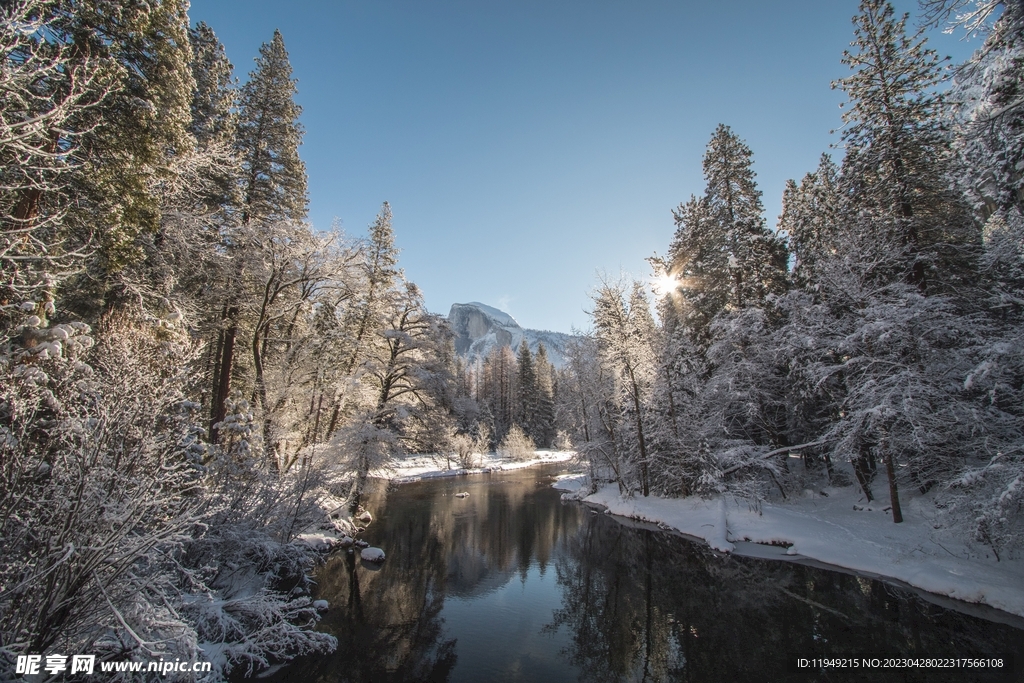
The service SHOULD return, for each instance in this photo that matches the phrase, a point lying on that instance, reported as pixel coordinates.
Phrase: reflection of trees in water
(645, 606)
(388, 622)
(636, 605)
(387, 629)
(498, 531)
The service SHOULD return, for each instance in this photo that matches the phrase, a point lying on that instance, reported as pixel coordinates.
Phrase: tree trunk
(223, 388)
(641, 442)
(894, 494)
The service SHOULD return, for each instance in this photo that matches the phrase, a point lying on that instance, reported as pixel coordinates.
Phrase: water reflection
(510, 584)
(644, 606)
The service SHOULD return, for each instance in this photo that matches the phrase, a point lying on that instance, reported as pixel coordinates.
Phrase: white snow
(570, 482)
(418, 467)
(320, 605)
(500, 316)
(318, 541)
(372, 554)
(829, 529)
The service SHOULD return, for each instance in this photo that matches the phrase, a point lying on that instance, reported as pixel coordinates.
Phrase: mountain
(480, 328)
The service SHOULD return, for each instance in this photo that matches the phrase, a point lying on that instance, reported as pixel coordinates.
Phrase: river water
(512, 584)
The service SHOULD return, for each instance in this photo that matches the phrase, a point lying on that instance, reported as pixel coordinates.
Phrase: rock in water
(372, 554)
(462, 494)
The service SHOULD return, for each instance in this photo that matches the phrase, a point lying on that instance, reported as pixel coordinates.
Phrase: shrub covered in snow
(112, 502)
(516, 445)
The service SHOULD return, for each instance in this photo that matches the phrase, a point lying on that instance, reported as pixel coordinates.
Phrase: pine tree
(129, 62)
(269, 135)
(699, 262)
(273, 185)
(897, 151)
(757, 259)
(722, 255)
(497, 392)
(811, 217)
(213, 120)
(989, 119)
(544, 418)
(526, 390)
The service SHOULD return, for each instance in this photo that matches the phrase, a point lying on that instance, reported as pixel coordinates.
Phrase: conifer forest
(189, 369)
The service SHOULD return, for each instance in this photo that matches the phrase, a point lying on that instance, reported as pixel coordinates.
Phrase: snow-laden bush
(464, 448)
(516, 445)
(100, 486)
(124, 533)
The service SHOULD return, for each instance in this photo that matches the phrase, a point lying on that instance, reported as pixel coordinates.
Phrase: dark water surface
(511, 584)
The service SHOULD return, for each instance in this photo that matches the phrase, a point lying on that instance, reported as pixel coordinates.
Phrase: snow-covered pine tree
(273, 186)
(268, 139)
(989, 118)
(810, 218)
(213, 119)
(113, 108)
(756, 258)
(898, 153)
(699, 262)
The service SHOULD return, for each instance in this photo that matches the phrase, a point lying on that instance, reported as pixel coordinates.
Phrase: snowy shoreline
(831, 528)
(420, 467)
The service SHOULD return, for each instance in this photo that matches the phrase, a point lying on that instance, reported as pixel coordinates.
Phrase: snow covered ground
(830, 529)
(417, 467)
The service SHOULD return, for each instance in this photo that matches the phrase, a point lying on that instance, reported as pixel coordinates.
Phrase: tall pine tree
(273, 183)
(898, 153)
(757, 258)
(269, 135)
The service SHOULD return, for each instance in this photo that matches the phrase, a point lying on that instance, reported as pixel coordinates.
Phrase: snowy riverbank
(840, 530)
(418, 467)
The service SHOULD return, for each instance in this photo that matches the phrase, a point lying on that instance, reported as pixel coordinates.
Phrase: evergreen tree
(989, 119)
(897, 152)
(213, 120)
(269, 135)
(497, 391)
(698, 261)
(722, 255)
(273, 190)
(810, 218)
(526, 391)
(544, 418)
(43, 93)
(757, 259)
(114, 116)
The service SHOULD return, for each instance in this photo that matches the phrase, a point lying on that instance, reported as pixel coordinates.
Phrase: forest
(189, 369)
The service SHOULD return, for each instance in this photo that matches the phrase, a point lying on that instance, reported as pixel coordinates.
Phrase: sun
(664, 283)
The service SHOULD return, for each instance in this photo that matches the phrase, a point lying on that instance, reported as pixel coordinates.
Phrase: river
(512, 584)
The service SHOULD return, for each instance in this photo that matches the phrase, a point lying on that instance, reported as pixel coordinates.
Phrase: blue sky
(527, 146)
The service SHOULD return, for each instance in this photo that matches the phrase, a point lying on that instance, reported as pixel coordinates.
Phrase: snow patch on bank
(571, 483)
(827, 527)
(419, 467)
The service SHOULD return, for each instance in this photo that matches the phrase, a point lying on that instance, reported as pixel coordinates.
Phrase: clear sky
(526, 145)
